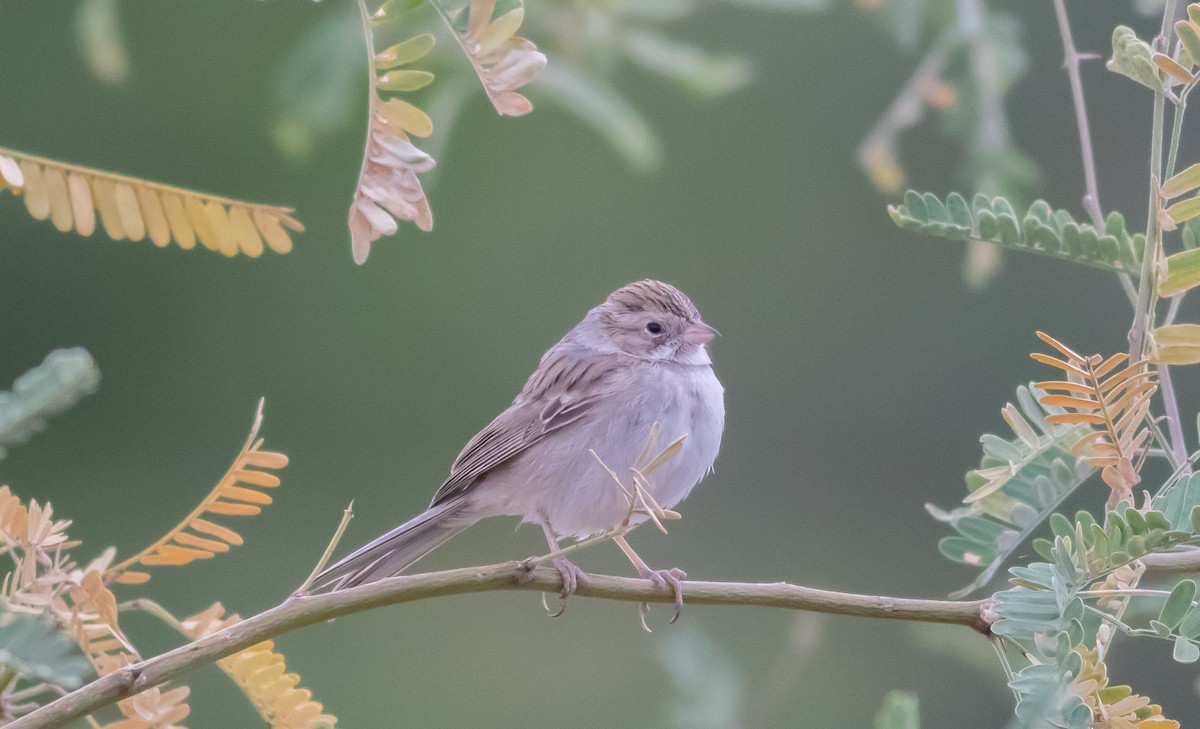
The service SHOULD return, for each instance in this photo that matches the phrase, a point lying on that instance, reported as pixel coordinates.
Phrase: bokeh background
(860, 369)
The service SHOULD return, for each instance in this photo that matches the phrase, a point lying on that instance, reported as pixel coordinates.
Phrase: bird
(636, 367)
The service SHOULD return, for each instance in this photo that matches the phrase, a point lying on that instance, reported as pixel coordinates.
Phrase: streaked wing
(565, 389)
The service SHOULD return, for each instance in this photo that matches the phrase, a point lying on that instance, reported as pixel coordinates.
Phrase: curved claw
(670, 579)
(572, 579)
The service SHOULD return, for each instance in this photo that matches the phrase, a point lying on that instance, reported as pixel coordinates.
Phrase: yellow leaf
(404, 80)
(1185, 209)
(1183, 272)
(1176, 344)
(71, 196)
(1185, 181)
(60, 200)
(82, 205)
(155, 217)
(403, 115)
(105, 195)
(179, 221)
(36, 201)
(131, 214)
(499, 31)
(262, 675)
(245, 233)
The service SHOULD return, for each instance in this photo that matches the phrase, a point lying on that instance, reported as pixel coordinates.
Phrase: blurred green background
(859, 368)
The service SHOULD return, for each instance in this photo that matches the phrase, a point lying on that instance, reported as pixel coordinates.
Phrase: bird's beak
(699, 333)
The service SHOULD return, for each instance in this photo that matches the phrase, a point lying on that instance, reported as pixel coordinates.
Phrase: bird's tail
(396, 550)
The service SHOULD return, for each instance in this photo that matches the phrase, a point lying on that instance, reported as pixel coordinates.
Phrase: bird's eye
(654, 327)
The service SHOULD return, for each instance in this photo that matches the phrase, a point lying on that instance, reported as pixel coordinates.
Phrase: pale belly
(558, 481)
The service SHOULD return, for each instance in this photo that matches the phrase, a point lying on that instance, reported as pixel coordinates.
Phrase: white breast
(563, 483)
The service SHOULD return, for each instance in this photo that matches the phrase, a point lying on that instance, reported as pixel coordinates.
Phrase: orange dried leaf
(1110, 364)
(191, 540)
(218, 531)
(239, 493)
(197, 537)
(1066, 401)
(1053, 362)
(1048, 385)
(258, 478)
(1075, 419)
(1067, 351)
(231, 509)
(266, 459)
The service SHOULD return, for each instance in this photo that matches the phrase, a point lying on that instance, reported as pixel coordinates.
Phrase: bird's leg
(663, 578)
(572, 576)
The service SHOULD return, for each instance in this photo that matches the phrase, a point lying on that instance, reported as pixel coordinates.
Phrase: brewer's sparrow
(635, 360)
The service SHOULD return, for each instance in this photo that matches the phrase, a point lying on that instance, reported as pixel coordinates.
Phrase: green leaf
(64, 378)
(393, 9)
(1178, 604)
(1177, 500)
(1189, 37)
(1191, 234)
(1190, 627)
(315, 89)
(899, 711)
(1133, 58)
(1041, 230)
(1185, 650)
(603, 109)
(1162, 630)
(400, 54)
(1018, 485)
(696, 69)
(39, 652)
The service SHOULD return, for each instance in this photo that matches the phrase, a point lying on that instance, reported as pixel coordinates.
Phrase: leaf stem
(303, 610)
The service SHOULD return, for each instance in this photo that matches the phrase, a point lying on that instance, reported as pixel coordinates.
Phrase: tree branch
(301, 610)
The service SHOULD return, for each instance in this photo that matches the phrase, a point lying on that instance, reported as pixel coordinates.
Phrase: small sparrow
(636, 360)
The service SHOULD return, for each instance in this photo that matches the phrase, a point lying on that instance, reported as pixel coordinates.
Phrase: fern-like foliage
(261, 674)
(238, 493)
(1019, 483)
(388, 187)
(64, 378)
(1115, 707)
(154, 708)
(1040, 230)
(1113, 399)
(1133, 58)
(504, 62)
(93, 610)
(1050, 613)
(38, 650)
(73, 197)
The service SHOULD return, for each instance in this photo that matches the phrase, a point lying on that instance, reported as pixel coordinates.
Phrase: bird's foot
(572, 579)
(665, 579)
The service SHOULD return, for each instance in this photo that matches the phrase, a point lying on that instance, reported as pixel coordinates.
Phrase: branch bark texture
(302, 610)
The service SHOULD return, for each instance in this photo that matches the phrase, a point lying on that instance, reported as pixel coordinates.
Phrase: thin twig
(1071, 59)
(1091, 195)
(303, 610)
(347, 515)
